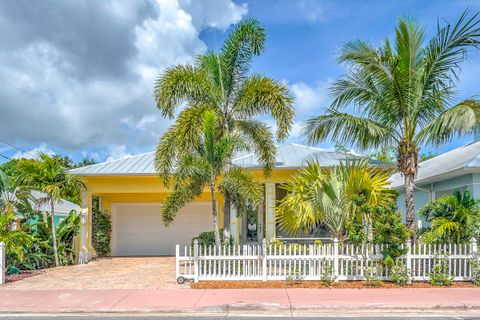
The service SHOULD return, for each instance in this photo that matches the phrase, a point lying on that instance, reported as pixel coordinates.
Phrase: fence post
(264, 261)
(474, 247)
(196, 268)
(3, 267)
(177, 261)
(335, 259)
(408, 262)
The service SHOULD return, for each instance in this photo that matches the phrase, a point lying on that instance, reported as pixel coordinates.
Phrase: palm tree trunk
(54, 234)
(226, 215)
(409, 201)
(216, 231)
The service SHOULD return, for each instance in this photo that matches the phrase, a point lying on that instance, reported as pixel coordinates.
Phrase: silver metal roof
(288, 156)
(453, 163)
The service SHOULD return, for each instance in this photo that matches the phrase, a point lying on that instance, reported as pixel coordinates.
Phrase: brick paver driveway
(108, 273)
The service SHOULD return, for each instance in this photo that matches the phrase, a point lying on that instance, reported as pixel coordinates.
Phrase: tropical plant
(401, 95)
(49, 176)
(220, 82)
(101, 232)
(330, 196)
(15, 240)
(203, 167)
(12, 196)
(453, 218)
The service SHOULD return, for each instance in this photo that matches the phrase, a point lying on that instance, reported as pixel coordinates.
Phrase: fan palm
(454, 217)
(220, 82)
(202, 169)
(12, 196)
(316, 195)
(401, 95)
(49, 176)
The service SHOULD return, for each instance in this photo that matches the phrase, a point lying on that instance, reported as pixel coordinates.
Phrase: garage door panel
(138, 229)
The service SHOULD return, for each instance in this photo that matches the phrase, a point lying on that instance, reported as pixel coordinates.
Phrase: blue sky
(82, 85)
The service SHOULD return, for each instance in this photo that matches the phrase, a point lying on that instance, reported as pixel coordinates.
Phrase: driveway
(107, 273)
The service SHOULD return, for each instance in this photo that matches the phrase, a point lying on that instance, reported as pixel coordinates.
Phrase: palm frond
(260, 138)
(261, 95)
(348, 129)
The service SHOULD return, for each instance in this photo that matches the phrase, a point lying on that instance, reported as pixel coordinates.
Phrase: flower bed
(317, 284)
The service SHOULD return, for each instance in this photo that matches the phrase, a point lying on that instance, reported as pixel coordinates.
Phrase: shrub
(294, 278)
(207, 238)
(475, 265)
(327, 277)
(440, 276)
(101, 232)
(372, 277)
(399, 274)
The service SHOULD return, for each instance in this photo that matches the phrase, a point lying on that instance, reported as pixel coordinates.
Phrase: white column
(3, 267)
(234, 225)
(270, 228)
(83, 254)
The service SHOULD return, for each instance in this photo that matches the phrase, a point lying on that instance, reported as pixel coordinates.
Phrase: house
(458, 169)
(131, 191)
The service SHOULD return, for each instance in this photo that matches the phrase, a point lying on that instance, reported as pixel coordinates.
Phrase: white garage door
(138, 229)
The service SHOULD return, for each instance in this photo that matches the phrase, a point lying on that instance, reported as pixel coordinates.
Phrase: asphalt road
(120, 317)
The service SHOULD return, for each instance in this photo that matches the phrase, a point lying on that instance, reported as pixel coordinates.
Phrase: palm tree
(49, 176)
(319, 196)
(202, 169)
(220, 82)
(12, 195)
(401, 95)
(453, 217)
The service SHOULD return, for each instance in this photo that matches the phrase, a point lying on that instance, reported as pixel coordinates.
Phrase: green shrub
(327, 277)
(207, 238)
(294, 278)
(475, 265)
(440, 276)
(400, 275)
(101, 232)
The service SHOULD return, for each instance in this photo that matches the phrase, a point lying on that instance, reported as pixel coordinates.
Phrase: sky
(77, 75)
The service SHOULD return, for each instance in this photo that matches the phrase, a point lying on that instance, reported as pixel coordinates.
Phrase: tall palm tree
(49, 176)
(316, 195)
(400, 95)
(221, 82)
(454, 218)
(202, 169)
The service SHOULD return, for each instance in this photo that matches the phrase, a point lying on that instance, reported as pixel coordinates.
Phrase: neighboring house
(131, 191)
(62, 208)
(458, 169)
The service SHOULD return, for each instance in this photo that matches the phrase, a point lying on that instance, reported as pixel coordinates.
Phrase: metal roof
(288, 156)
(453, 163)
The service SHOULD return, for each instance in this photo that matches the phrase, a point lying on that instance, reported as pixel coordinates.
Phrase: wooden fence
(312, 262)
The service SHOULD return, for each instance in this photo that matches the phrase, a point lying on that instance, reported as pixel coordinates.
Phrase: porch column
(234, 225)
(85, 227)
(270, 227)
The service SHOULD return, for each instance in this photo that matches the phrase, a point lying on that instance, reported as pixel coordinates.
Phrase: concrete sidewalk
(242, 301)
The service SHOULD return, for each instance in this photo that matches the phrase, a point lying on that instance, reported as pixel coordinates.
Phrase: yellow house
(131, 192)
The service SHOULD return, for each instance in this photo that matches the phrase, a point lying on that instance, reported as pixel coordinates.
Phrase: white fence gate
(311, 262)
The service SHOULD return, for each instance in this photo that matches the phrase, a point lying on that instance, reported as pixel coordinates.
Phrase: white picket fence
(311, 262)
(2, 263)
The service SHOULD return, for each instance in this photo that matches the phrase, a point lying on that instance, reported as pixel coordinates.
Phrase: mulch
(22, 275)
(317, 285)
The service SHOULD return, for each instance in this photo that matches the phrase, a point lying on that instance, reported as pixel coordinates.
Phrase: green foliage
(372, 278)
(440, 275)
(207, 238)
(15, 240)
(453, 218)
(318, 196)
(327, 277)
(294, 278)
(220, 82)
(402, 93)
(475, 266)
(101, 232)
(389, 231)
(399, 274)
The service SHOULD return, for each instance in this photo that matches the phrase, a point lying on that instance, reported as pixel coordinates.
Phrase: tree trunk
(216, 231)
(409, 201)
(54, 234)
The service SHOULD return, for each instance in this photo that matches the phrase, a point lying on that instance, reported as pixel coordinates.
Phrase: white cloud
(85, 81)
(309, 98)
(32, 154)
(117, 152)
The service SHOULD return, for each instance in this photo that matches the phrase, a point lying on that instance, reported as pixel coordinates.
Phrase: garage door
(138, 230)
